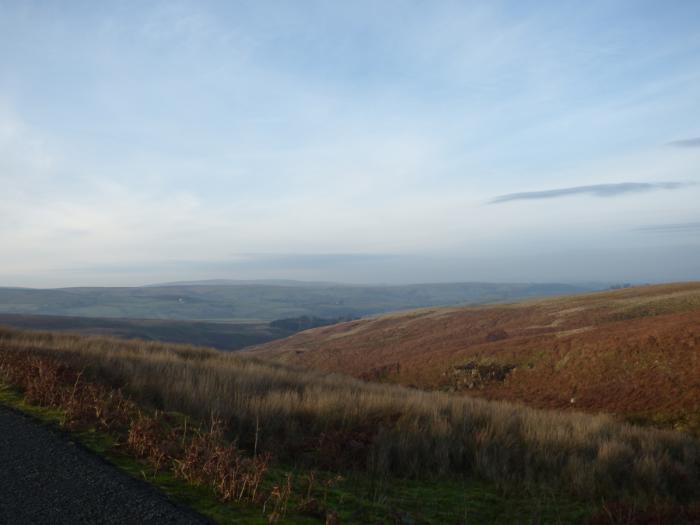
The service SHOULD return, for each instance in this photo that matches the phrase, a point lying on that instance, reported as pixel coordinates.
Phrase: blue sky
(391, 141)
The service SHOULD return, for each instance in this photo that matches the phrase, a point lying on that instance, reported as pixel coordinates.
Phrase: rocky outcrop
(478, 375)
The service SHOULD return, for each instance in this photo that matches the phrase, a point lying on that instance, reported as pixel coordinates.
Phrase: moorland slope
(633, 352)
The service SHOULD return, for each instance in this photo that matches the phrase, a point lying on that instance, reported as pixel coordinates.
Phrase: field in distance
(223, 336)
(263, 301)
(633, 352)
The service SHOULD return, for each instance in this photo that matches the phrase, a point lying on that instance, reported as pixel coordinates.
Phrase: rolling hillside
(224, 300)
(634, 352)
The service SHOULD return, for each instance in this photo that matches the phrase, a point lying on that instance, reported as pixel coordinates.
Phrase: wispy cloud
(686, 143)
(680, 227)
(596, 190)
(200, 129)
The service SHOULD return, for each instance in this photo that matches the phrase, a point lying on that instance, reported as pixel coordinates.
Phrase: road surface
(45, 478)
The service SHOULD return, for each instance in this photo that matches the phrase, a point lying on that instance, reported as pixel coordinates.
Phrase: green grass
(652, 306)
(356, 498)
(447, 501)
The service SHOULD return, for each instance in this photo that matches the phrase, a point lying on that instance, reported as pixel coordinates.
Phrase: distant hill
(244, 282)
(265, 302)
(633, 351)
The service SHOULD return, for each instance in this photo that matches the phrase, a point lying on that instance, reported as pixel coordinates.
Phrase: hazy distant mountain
(237, 301)
(244, 282)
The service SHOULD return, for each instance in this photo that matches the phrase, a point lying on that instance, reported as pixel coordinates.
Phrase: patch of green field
(649, 307)
(356, 498)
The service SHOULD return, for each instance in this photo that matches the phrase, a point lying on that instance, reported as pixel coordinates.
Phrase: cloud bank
(686, 143)
(596, 190)
(681, 227)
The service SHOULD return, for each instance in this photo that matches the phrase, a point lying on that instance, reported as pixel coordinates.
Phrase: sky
(365, 141)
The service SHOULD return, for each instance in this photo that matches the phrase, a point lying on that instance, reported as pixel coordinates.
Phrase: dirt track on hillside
(45, 478)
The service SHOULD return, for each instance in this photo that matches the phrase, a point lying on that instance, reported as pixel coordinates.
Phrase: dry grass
(198, 454)
(633, 352)
(341, 422)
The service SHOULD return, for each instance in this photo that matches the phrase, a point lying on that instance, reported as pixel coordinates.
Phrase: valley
(262, 301)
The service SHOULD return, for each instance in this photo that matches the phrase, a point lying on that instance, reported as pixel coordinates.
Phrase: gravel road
(45, 478)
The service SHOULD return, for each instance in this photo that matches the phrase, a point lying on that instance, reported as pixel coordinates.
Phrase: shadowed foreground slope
(224, 336)
(634, 352)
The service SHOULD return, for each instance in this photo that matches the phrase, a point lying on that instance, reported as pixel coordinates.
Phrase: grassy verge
(199, 498)
(353, 499)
